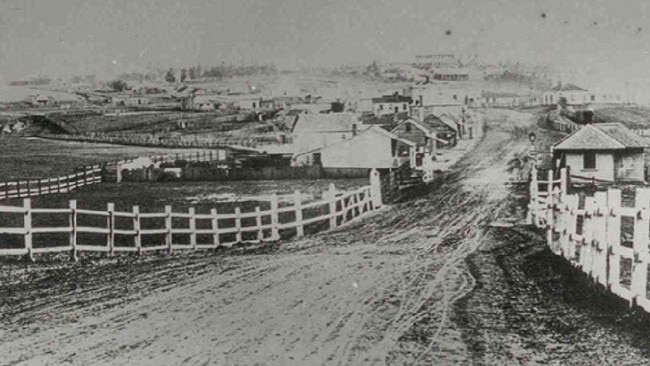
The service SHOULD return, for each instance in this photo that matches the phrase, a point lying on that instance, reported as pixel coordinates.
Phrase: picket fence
(598, 234)
(88, 175)
(333, 210)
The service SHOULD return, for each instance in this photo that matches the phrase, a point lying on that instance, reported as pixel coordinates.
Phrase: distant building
(315, 130)
(495, 99)
(574, 95)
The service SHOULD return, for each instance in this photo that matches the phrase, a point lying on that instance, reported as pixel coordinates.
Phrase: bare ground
(423, 282)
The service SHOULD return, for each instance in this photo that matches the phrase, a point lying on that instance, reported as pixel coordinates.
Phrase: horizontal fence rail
(110, 231)
(89, 175)
(600, 236)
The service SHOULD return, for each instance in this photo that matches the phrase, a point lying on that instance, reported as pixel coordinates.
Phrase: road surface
(384, 290)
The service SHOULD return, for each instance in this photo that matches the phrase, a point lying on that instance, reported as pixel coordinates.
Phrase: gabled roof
(325, 122)
(392, 99)
(450, 121)
(568, 87)
(374, 129)
(433, 122)
(427, 130)
(602, 136)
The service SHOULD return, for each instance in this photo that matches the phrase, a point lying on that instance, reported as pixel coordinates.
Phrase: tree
(183, 75)
(169, 76)
(191, 73)
(562, 102)
(117, 85)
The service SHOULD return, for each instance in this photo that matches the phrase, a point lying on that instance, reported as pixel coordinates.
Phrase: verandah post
(613, 237)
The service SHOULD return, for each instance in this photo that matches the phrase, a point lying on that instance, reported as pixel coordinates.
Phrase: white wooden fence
(333, 210)
(604, 239)
(88, 175)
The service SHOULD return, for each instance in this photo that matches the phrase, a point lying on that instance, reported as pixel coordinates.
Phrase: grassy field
(30, 157)
(632, 116)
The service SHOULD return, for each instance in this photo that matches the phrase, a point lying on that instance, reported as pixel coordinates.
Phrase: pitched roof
(602, 136)
(374, 129)
(392, 99)
(568, 87)
(433, 122)
(426, 129)
(450, 121)
(325, 122)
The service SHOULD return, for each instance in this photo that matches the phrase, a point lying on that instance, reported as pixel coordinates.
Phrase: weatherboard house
(605, 153)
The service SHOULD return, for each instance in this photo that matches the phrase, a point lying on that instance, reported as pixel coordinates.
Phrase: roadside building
(373, 148)
(605, 152)
(311, 131)
(497, 99)
(573, 94)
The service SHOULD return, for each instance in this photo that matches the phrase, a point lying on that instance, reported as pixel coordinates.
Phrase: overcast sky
(601, 39)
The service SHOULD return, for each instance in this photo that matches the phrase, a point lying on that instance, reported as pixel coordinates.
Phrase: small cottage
(605, 152)
(311, 131)
(372, 148)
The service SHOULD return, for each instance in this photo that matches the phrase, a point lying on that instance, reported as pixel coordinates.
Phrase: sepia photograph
(336, 183)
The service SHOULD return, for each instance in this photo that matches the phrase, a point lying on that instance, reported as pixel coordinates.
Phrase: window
(404, 106)
(589, 160)
(593, 98)
(407, 127)
(455, 97)
(381, 107)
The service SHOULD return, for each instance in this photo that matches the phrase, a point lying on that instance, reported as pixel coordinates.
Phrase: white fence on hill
(333, 210)
(87, 175)
(598, 235)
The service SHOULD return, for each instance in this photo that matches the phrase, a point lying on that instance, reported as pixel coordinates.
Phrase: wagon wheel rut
(379, 291)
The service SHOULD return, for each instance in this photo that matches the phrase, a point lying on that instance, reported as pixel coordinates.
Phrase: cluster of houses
(385, 132)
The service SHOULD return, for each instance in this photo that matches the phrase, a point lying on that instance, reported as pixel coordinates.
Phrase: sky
(590, 40)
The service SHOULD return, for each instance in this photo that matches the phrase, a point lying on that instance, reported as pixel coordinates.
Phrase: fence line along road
(598, 234)
(87, 175)
(156, 231)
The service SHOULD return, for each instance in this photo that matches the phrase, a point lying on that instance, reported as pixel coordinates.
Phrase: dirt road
(381, 291)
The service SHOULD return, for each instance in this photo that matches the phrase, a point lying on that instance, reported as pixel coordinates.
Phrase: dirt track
(382, 291)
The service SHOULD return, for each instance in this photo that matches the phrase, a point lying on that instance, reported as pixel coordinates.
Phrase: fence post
(215, 227)
(375, 189)
(192, 213)
(238, 234)
(275, 219)
(534, 196)
(332, 205)
(640, 263)
(136, 227)
(168, 228)
(73, 230)
(110, 223)
(599, 225)
(613, 238)
(258, 223)
(297, 201)
(27, 205)
(563, 181)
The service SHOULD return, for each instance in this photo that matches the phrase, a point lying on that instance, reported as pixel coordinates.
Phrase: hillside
(634, 117)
